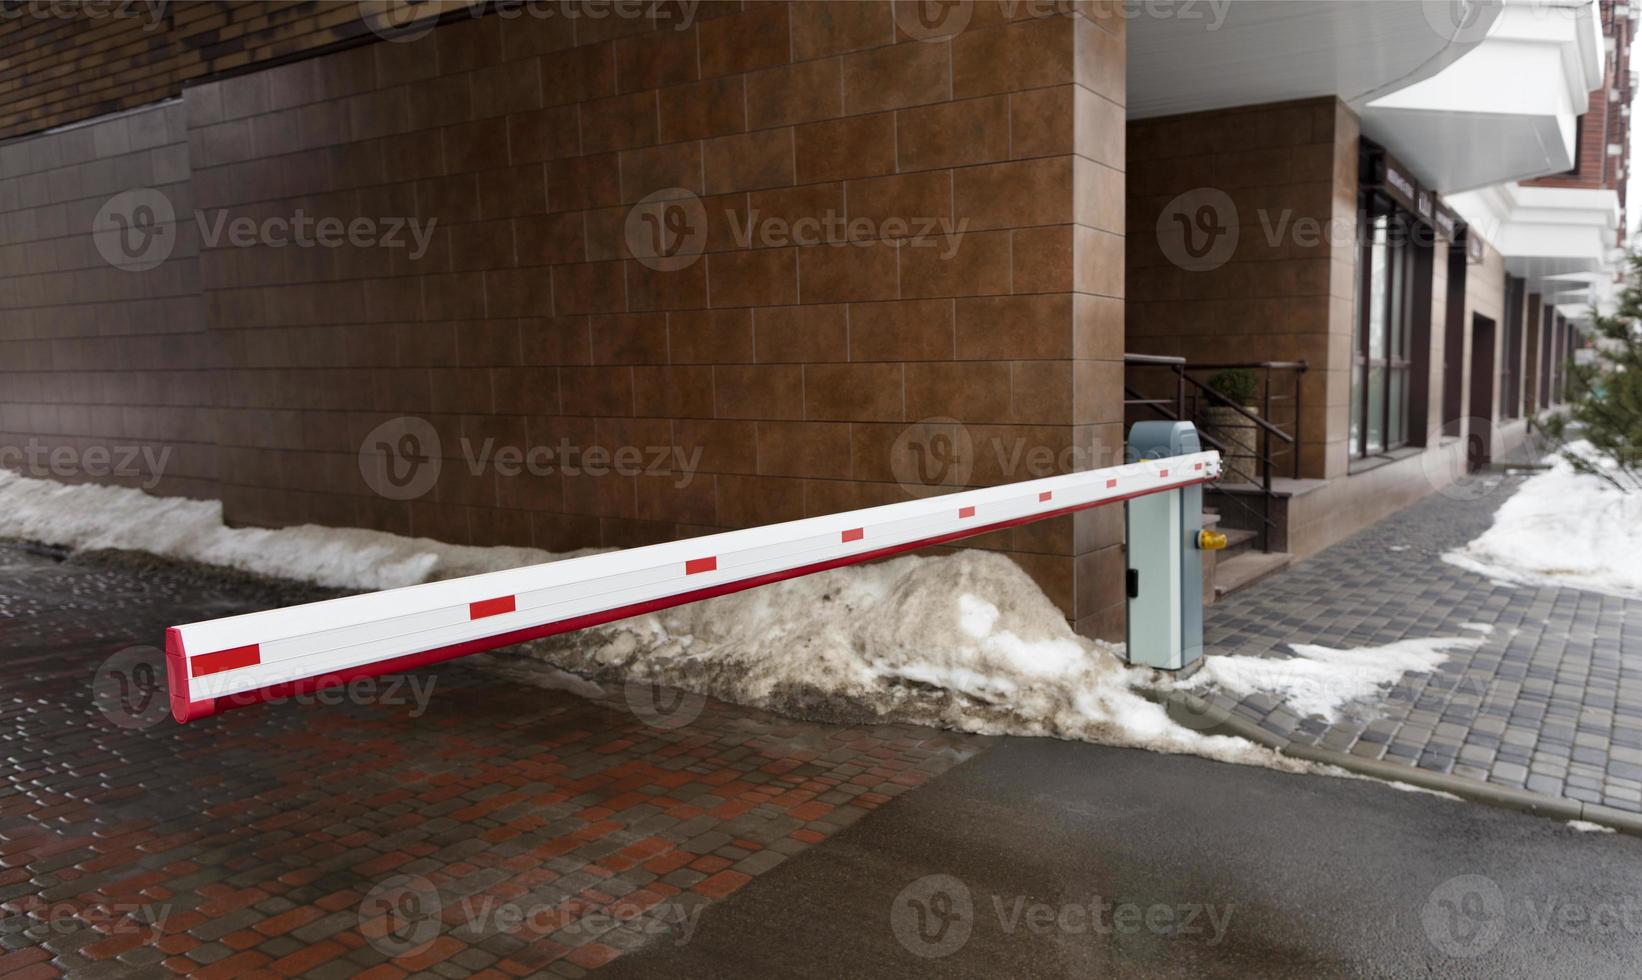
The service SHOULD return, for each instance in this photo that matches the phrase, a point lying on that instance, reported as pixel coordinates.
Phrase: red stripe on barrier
(853, 534)
(966, 512)
(221, 660)
(490, 607)
(307, 685)
(1046, 495)
(696, 566)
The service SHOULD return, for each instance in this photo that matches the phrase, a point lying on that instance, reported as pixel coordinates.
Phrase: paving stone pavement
(1551, 701)
(480, 827)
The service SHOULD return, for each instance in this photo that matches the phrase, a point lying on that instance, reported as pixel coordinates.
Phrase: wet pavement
(449, 823)
(1040, 858)
(1551, 701)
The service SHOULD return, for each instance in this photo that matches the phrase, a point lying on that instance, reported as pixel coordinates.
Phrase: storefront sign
(1447, 221)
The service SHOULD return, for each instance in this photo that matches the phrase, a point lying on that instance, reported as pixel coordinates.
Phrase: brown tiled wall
(63, 62)
(96, 362)
(795, 370)
(1280, 296)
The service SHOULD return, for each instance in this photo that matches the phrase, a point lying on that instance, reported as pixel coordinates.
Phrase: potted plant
(1230, 428)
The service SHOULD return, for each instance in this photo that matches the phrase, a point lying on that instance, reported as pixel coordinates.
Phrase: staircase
(1252, 510)
(1240, 563)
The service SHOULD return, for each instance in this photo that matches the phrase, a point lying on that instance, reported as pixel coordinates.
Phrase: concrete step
(1238, 541)
(1242, 570)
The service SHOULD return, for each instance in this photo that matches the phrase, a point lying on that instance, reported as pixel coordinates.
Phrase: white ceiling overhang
(1506, 109)
(1251, 52)
(1562, 240)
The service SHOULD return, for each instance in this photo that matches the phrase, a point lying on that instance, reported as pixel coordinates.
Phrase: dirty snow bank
(965, 641)
(1320, 680)
(87, 517)
(1562, 528)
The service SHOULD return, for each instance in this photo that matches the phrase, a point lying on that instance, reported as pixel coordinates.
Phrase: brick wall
(104, 372)
(811, 377)
(1289, 171)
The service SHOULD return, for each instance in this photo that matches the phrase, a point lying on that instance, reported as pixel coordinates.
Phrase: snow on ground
(86, 517)
(1322, 681)
(1562, 528)
(966, 641)
(1586, 827)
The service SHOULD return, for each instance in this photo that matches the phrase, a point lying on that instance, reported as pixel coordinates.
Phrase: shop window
(1383, 350)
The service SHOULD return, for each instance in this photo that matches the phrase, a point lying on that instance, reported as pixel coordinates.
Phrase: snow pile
(965, 641)
(1562, 528)
(87, 517)
(1322, 681)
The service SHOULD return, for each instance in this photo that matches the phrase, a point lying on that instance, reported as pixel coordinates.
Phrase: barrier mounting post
(1164, 541)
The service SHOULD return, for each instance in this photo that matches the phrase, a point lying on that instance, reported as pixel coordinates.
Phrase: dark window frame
(1399, 358)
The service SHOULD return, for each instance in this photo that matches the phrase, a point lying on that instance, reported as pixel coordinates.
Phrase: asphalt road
(1058, 859)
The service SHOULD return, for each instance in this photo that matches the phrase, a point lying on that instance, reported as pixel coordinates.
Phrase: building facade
(599, 275)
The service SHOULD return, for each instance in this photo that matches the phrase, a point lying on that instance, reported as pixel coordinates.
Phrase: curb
(1196, 711)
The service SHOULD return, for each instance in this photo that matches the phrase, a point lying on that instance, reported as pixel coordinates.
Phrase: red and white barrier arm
(262, 656)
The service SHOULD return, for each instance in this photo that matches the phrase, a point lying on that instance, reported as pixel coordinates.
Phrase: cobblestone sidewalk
(477, 826)
(1550, 702)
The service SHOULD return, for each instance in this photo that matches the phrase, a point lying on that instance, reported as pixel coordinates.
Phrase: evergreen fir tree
(1605, 397)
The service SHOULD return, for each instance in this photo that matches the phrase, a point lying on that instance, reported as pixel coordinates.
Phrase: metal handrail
(1265, 456)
